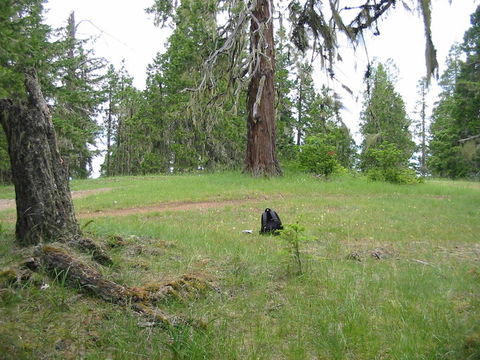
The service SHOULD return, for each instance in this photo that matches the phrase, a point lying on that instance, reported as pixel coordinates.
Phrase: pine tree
(384, 119)
(43, 200)
(455, 143)
(23, 44)
(325, 122)
(421, 125)
(123, 154)
(193, 130)
(39, 173)
(305, 99)
(77, 99)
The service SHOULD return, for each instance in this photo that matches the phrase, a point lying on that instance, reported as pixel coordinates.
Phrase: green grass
(420, 300)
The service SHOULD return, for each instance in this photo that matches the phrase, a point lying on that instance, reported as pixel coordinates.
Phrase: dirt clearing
(6, 204)
(160, 207)
(170, 206)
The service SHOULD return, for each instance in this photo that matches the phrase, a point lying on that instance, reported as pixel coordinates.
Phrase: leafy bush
(318, 157)
(397, 175)
(387, 163)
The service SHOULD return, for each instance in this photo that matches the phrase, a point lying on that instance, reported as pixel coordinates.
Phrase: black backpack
(270, 222)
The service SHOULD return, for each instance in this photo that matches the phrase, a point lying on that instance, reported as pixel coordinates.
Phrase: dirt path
(6, 204)
(169, 206)
(172, 206)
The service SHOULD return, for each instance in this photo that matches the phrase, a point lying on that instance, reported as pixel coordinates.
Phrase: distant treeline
(171, 127)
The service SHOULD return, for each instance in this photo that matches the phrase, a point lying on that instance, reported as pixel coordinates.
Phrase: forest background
(104, 118)
(117, 42)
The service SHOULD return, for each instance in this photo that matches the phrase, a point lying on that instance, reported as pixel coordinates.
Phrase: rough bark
(261, 157)
(44, 204)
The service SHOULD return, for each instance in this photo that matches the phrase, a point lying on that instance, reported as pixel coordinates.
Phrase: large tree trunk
(261, 157)
(44, 204)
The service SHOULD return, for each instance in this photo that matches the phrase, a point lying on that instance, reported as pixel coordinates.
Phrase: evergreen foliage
(420, 129)
(284, 86)
(23, 44)
(387, 163)
(455, 143)
(171, 128)
(167, 127)
(125, 135)
(325, 120)
(77, 98)
(68, 72)
(305, 99)
(385, 127)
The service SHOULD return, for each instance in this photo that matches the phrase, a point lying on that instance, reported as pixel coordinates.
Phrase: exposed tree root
(88, 246)
(57, 262)
(60, 264)
(14, 277)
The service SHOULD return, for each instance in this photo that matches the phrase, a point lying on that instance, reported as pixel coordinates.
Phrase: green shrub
(396, 175)
(387, 163)
(318, 157)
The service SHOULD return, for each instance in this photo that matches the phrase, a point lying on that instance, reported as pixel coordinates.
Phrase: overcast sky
(124, 31)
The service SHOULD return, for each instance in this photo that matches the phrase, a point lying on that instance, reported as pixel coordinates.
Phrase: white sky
(125, 31)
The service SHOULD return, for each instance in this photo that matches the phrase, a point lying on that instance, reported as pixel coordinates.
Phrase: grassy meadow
(389, 271)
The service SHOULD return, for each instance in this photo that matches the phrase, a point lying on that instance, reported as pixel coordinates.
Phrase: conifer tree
(384, 119)
(284, 86)
(192, 130)
(39, 172)
(455, 143)
(23, 42)
(445, 157)
(77, 99)
(121, 127)
(305, 99)
(43, 200)
(421, 125)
